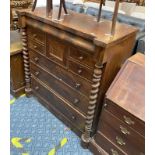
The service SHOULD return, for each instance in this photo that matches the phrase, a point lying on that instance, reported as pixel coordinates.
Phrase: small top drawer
(80, 70)
(36, 35)
(36, 47)
(84, 58)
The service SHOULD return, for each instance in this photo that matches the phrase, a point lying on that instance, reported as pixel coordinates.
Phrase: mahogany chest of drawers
(121, 129)
(17, 80)
(69, 64)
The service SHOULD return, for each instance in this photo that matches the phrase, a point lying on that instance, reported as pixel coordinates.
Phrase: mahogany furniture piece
(121, 129)
(17, 79)
(70, 64)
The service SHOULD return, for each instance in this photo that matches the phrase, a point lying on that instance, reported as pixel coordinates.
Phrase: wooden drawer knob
(36, 59)
(80, 57)
(120, 141)
(114, 152)
(128, 120)
(105, 105)
(35, 46)
(36, 73)
(79, 71)
(77, 85)
(76, 100)
(124, 130)
(36, 88)
(73, 117)
(34, 35)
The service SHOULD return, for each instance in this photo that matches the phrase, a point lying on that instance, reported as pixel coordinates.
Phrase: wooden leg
(51, 4)
(92, 105)
(60, 9)
(34, 5)
(99, 13)
(114, 19)
(49, 7)
(26, 62)
(64, 6)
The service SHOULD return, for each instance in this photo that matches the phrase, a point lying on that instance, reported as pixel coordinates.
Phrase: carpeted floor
(35, 131)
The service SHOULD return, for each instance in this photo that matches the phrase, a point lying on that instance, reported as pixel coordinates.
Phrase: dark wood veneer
(72, 96)
(81, 59)
(61, 105)
(70, 79)
(121, 124)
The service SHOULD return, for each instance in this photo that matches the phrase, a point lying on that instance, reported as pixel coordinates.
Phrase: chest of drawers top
(80, 25)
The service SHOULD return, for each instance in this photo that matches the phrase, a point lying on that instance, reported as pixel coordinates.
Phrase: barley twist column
(97, 75)
(26, 62)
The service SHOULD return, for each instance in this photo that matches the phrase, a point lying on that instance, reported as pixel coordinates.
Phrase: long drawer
(126, 117)
(107, 145)
(77, 119)
(125, 138)
(73, 97)
(73, 81)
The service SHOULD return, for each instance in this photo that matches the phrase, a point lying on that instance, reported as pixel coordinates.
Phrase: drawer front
(56, 50)
(68, 111)
(74, 98)
(80, 70)
(82, 57)
(36, 46)
(76, 83)
(120, 134)
(126, 117)
(35, 35)
(108, 146)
